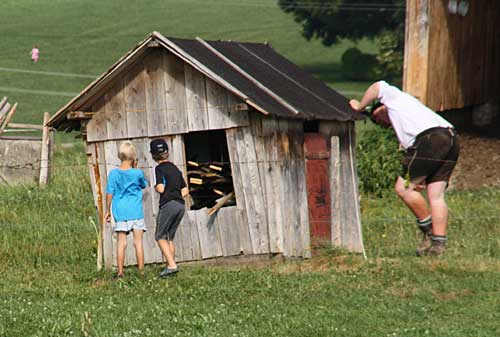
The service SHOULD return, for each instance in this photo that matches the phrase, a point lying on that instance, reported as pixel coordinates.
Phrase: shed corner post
(45, 156)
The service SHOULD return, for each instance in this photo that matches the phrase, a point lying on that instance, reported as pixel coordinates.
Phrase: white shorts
(129, 225)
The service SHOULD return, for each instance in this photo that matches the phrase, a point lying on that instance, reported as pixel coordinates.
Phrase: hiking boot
(424, 245)
(437, 249)
(168, 272)
(425, 227)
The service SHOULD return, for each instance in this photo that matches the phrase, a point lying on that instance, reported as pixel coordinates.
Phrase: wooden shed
(452, 59)
(286, 137)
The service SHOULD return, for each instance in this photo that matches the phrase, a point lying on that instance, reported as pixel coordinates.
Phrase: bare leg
(139, 248)
(413, 199)
(439, 209)
(172, 248)
(165, 249)
(120, 251)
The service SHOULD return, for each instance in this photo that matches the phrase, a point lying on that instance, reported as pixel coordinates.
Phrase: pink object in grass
(34, 54)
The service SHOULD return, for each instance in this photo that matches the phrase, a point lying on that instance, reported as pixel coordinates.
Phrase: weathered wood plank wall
(268, 166)
(452, 61)
(264, 172)
(346, 220)
(162, 96)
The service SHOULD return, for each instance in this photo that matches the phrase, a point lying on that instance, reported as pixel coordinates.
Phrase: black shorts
(169, 218)
(432, 157)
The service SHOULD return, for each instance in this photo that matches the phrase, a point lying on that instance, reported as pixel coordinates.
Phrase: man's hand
(107, 217)
(355, 104)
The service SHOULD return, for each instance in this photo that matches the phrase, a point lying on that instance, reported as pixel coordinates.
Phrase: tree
(331, 20)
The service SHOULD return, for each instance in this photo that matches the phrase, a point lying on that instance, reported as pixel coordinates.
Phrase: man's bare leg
(413, 199)
(439, 209)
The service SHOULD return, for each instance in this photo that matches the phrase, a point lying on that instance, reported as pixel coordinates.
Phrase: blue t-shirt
(126, 187)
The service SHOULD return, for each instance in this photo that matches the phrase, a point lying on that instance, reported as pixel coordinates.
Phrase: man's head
(380, 115)
(127, 151)
(159, 149)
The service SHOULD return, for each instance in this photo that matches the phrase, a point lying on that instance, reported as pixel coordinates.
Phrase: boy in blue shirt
(124, 194)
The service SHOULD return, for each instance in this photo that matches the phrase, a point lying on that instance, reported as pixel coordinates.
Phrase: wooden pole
(8, 118)
(51, 152)
(44, 163)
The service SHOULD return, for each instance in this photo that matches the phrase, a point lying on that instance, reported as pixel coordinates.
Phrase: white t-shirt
(408, 115)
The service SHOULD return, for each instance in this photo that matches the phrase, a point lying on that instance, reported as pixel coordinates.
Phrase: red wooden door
(318, 186)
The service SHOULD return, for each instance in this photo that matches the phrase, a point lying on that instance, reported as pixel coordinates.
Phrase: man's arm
(370, 95)
(184, 192)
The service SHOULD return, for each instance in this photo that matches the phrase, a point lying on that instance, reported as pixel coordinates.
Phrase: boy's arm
(109, 198)
(143, 181)
(159, 180)
(160, 188)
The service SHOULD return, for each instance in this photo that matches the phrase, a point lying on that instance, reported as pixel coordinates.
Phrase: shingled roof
(253, 71)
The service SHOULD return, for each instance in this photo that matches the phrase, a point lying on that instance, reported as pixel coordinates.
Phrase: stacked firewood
(210, 185)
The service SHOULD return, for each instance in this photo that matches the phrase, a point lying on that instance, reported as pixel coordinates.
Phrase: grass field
(49, 285)
(86, 37)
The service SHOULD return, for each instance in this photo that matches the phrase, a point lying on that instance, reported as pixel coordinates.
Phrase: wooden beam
(2, 103)
(153, 44)
(25, 126)
(241, 107)
(80, 115)
(20, 138)
(8, 118)
(220, 203)
(44, 163)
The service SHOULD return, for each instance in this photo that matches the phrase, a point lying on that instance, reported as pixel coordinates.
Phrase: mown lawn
(49, 285)
(86, 37)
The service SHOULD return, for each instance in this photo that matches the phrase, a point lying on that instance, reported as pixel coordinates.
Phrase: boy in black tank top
(172, 188)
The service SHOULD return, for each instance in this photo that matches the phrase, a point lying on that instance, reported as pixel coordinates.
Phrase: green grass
(86, 37)
(49, 285)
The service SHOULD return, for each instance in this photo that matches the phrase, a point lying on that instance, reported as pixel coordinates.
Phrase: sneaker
(424, 245)
(168, 272)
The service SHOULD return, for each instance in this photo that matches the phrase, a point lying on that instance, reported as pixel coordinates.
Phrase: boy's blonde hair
(127, 151)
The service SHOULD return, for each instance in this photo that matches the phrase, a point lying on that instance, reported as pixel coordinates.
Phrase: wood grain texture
(115, 112)
(196, 99)
(456, 65)
(135, 102)
(252, 189)
(97, 129)
(244, 230)
(175, 94)
(156, 106)
(227, 222)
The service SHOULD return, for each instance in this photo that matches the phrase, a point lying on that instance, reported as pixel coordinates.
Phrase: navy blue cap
(158, 146)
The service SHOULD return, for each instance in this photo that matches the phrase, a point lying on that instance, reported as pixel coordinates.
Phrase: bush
(379, 161)
(357, 65)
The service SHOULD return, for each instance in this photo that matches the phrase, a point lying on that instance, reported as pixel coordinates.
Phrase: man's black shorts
(432, 157)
